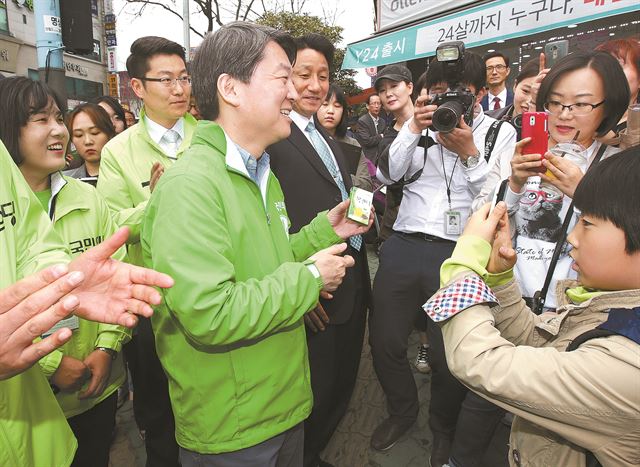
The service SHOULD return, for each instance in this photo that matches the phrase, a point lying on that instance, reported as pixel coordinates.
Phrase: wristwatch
(112, 353)
(471, 161)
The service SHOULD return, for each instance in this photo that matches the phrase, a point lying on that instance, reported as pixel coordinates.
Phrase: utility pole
(49, 45)
(185, 28)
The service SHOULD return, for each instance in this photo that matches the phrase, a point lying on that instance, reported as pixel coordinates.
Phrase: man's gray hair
(234, 49)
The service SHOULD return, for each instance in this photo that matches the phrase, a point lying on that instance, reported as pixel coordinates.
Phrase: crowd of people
(224, 207)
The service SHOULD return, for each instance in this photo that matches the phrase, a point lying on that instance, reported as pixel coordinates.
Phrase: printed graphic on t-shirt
(539, 221)
(538, 215)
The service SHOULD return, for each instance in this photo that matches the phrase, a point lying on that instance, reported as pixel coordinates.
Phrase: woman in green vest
(85, 372)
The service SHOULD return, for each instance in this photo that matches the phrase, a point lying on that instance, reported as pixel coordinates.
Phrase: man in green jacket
(231, 338)
(33, 430)
(131, 164)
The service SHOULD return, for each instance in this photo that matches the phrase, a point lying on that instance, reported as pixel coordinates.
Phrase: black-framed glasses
(490, 68)
(170, 82)
(579, 108)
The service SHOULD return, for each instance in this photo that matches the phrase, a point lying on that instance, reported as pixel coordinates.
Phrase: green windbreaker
(83, 220)
(33, 430)
(125, 166)
(230, 333)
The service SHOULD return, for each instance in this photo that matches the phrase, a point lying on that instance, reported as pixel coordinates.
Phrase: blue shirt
(257, 168)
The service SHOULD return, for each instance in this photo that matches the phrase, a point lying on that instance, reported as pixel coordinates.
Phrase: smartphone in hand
(554, 51)
(534, 126)
(499, 194)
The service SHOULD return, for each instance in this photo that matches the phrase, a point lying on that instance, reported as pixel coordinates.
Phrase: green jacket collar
(190, 124)
(66, 196)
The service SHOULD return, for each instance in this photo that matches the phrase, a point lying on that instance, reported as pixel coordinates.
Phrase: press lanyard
(444, 171)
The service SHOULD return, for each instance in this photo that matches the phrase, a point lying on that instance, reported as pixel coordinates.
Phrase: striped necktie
(323, 151)
(171, 143)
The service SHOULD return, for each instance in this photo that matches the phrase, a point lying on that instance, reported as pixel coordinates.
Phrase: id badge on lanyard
(452, 218)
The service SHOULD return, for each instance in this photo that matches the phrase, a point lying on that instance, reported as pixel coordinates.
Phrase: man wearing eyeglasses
(131, 165)
(499, 96)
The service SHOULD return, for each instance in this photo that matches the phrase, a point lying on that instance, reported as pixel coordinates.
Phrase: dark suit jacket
(308, 189)
(368, 137)
(485, 100)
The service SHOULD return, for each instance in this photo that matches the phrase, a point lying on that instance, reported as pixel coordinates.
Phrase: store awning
(484, 24)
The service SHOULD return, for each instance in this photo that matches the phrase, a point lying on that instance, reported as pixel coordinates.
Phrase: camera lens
(517, 121)
(447, 116)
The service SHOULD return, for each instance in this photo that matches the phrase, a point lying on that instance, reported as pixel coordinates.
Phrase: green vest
(33, 430)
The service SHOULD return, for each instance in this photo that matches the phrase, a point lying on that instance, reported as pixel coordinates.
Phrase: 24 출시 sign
(484, 24)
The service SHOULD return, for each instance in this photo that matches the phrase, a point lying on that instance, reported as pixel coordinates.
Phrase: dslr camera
(458, 101)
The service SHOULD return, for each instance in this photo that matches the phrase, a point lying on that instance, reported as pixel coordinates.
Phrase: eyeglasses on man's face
(490, 68)
(579, 108)
(170, 82)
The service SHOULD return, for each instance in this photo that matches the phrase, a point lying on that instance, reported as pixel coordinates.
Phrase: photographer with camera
(447, 174)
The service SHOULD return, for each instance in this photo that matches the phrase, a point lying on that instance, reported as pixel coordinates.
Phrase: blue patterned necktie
(323, 151)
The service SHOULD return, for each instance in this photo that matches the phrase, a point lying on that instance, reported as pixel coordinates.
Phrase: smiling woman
(88, 369)
(584, 94)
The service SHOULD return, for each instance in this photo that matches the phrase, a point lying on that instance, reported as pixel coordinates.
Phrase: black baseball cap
(393, 73)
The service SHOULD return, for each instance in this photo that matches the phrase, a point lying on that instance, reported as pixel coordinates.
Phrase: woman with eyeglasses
(90, 128)
(584, 95)
(86, 372)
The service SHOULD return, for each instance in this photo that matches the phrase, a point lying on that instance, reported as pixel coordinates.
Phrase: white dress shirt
(301, 122)
(425, 201)
(502, 96)
(157, 131)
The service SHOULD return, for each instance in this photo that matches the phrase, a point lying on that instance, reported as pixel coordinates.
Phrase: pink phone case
(534, 126)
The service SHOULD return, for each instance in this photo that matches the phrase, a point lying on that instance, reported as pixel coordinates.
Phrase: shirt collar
(300, 120)
(502, 95)
(375, 119)
(157, 131)
(256, 168)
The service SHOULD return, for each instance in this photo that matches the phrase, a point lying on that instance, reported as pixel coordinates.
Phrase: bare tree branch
(146, 3)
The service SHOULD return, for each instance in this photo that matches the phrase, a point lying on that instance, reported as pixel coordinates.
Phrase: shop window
(82, 89)
(77, 89)
(4, 21)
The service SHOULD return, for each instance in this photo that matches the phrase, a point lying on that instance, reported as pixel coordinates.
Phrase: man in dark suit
(499, 96)
(314, 176)
(370, 128)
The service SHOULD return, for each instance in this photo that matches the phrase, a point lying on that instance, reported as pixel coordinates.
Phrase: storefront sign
(75, 68)
(393, 13)
(112, 80)
(112, 63)
(52, 24)
(485, 24)
(8, 56)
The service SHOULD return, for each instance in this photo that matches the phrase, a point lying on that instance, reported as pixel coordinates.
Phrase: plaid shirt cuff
(458, 296)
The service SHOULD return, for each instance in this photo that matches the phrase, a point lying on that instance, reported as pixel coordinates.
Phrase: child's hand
(484, 225)
(494, 228)
(503, 256)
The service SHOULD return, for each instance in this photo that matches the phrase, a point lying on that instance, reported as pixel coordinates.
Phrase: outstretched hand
(345, 227)
(113, 291)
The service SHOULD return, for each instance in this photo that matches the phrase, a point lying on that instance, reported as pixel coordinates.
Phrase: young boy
(572, 377)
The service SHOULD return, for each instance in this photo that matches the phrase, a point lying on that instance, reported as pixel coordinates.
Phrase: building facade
(86, 75)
